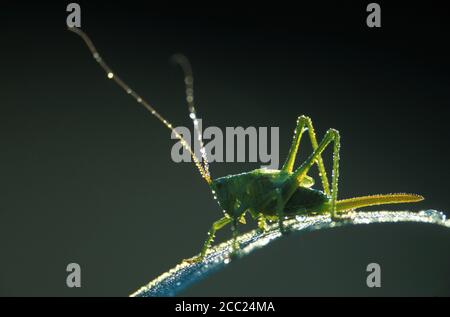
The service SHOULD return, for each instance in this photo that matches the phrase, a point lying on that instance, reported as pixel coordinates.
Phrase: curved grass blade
(185, 274)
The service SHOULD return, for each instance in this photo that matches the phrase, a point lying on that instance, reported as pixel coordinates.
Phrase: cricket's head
(220, 189)
(229, 192)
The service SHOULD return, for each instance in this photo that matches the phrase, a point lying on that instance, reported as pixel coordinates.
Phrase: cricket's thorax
(256, 191)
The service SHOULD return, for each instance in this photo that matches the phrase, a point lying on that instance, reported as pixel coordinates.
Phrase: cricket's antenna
(185, 65)
(111, 75)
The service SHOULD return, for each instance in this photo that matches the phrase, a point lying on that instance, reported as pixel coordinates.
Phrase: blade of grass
(185, 274)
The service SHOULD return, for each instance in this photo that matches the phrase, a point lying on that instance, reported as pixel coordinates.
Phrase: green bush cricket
(267, 195)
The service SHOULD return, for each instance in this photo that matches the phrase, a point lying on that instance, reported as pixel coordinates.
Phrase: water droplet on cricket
(110, 75)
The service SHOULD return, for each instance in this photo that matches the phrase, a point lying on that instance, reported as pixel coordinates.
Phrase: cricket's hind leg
(291, 186)
(302, 122)
(217, 225)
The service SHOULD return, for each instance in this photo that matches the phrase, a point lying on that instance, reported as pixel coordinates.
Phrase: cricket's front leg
(234, 229)
(235, 233)
(280, 211)
(219, 224)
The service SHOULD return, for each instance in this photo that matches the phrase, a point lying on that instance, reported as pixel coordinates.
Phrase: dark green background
(86, 174)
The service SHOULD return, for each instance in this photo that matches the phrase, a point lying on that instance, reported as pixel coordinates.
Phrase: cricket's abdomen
(307, 201)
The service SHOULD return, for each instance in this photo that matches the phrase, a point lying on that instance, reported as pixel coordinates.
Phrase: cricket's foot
(341, 217)
(194, 259)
